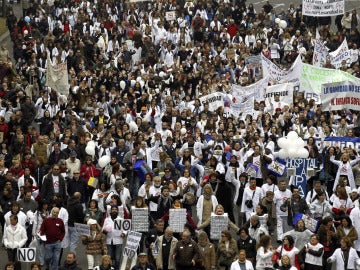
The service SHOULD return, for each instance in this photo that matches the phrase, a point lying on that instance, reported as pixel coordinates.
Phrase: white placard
(26, 254)
(170, 15)
(218, 223)
(177, 219)
(122, 224)
(310, 223)
(140, 219)
(82, 229)
(132, 243)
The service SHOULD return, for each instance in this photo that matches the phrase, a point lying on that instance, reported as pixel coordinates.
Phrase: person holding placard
(95, 244)
(114, 235)
(14, 238)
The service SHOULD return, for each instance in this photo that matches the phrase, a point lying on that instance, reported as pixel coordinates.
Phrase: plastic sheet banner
(340, 96)
(323, 8)
(313, 77)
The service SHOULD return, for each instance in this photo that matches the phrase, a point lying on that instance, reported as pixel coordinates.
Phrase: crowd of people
(133, 133)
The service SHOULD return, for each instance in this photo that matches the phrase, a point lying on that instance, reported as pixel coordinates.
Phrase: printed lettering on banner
(340, 96)
(320, 53)
(26, 254)
(218, 223)
(177, 219)
(321, 8)
(313, 77)
(276, 75)
(284, 90)
(300, 165)
(82, 229)
(140, 219)
(57, 77)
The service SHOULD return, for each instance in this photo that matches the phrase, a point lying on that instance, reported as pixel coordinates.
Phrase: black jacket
(76, 212)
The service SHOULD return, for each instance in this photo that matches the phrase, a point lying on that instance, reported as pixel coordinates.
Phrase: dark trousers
(12, 257)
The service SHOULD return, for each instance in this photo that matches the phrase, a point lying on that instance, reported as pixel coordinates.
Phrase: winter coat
(225, 257)
(14, 238)
(159, 258)
(95, 244)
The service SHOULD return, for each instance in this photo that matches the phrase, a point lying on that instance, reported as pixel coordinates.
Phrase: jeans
(93, 260)
(74, 239)
(115, 252)
(52, 255)
(40, 251)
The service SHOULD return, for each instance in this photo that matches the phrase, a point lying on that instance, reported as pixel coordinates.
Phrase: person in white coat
(345, 169)
(14, 237)
(251, 198)
(264, 253)
(355, 218)
(242, 262)
(206, 201)
(344, 257)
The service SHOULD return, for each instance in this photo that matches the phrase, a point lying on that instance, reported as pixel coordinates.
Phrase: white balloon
(138, 79)
(299, 143)
(282, 142)
(90, 150)
(283, 24)
(132, 83)
(103, 161)
(292, 136)
(303, 153)
(91, 143)
(122, 85)
(183, 131)
(293, 152)
(283, 153)
(277, 20)
(142, 83)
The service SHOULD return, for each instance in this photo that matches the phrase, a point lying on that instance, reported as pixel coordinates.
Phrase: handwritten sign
(82, 229)
(140, 219)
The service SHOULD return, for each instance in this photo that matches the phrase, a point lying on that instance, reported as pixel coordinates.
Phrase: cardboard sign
(218, 223)
(82, 229)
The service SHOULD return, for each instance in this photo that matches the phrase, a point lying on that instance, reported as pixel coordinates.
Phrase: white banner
(177, 219)
(320, 53)
(340, 95)
(217, 225)
(132, 243)
(140, 219)
(215, 100)
(284, 90)
(57, 77)
(276, 75)
(323, 8)
(340, 54)
(313, 77)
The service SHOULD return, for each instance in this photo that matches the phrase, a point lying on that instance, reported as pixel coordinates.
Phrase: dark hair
(290, 239)
(348, 219)
(227, 234)
(264, 241)
(35, 264)
(95, 201)
(245, 229)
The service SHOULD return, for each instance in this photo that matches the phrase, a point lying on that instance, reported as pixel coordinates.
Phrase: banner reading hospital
(340, 95)
(323, 8)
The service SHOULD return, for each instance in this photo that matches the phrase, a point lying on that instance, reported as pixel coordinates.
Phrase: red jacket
(53, 228)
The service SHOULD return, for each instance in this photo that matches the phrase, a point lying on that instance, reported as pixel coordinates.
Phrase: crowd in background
(136, 77)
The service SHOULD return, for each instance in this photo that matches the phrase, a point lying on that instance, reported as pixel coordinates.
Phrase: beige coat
(159, 259)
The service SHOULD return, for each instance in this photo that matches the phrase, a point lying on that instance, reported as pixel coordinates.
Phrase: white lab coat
(337, 257)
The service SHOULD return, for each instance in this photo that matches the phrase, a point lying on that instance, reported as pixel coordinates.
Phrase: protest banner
(215, 100)
(300, 165)
(132, 243)
(342, 53)
(313, 77)
(284, 90)
(253, 65)
(277, 75)
(177, 219)
(140, 219)
(82, 229)
(320, 53)
(340, 96)
(26, 254)
(170, 15)
(341, 142)
(57, 77)
(218, 223)
(242, 103)
(323, 8)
